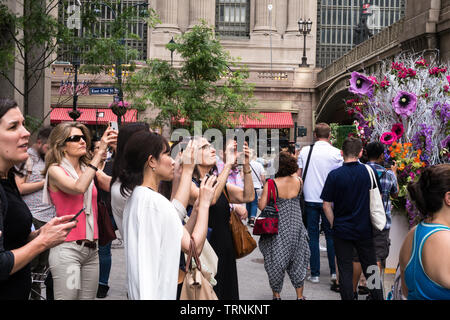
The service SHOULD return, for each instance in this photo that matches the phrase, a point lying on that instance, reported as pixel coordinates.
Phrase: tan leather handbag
(243, 241)
(196, 284)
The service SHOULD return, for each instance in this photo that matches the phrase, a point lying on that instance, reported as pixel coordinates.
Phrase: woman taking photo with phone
(220, 237)
(18, 245)
(69, 186)
(153, 231)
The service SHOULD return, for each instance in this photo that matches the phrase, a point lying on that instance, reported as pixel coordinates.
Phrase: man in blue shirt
(346, 205)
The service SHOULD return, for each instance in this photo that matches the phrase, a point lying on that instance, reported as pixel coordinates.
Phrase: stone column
(294, 14)
(262, 22)
(202, 9)
(168, 12)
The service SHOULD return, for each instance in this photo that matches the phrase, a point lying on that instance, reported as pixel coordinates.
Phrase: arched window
(233, 18)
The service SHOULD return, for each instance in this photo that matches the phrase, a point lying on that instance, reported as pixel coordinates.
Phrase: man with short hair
(30, 185)
(388, 186)
(346, 204)
(324, 158)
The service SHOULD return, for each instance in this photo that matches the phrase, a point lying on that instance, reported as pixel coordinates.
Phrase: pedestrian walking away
(346, 205)
(323, 158)
(288, 251)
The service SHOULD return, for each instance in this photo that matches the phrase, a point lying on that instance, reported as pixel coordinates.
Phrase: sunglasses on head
(75, 138)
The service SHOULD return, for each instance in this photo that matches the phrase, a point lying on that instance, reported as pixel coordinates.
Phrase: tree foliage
(209, 86)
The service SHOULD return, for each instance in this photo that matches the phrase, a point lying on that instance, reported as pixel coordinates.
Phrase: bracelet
(92, 167)
(248, 172)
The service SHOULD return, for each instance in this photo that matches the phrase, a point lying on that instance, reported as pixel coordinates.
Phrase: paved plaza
(253, 281)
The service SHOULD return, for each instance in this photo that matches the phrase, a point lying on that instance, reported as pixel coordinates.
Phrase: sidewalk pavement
(253, 281)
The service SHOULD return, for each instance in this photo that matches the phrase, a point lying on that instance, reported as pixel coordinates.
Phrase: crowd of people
(53, 193)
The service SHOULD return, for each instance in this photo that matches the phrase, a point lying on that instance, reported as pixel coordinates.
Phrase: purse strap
(271, 192)
(307, 162)
(193, 254)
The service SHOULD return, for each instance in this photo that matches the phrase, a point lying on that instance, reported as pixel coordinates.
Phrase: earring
(153, 169)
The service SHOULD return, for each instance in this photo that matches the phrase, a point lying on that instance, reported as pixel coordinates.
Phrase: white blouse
(152, 240)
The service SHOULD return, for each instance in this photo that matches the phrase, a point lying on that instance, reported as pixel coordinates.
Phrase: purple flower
(422, 140)
(405, 103)
(446, 142)
(361, 85)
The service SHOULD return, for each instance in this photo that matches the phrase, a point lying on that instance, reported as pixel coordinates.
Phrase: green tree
(209, 86)
(30, 38)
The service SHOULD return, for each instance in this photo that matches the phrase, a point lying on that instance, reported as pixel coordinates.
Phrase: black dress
(16, 228)
(222, 243)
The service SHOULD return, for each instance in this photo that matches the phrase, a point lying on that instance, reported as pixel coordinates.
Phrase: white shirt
(117, 205)
(259, 169)
(324, 158)
(153, 232)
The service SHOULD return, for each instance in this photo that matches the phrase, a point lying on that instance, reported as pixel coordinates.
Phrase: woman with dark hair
(288, 251)
(117, 198)
(425, 254)
(18, 245)
(153, 232)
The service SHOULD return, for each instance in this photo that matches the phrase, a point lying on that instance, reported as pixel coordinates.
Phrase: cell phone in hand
(114, 125)
(76, 216)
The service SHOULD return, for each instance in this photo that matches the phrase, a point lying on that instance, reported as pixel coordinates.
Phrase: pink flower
(388, 138)
(448, 79)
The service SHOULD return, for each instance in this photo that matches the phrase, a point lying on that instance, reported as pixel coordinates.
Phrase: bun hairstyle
(139, 147)
(428, 193)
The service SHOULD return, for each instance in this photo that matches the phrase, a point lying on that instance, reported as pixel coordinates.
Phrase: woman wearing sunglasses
(69, 186)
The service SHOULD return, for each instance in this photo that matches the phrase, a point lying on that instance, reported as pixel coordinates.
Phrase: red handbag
(267, 222)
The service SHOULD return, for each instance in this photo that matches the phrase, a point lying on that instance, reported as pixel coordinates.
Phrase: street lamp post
(171, 51)
(305, 28)
(74, 113)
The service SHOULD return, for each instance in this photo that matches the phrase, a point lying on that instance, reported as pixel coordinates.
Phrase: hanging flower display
(361, 85)
(405, 103)
(409, 112)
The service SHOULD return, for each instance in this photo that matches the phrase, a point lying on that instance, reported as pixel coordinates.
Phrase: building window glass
(233, 18)
(102, 28)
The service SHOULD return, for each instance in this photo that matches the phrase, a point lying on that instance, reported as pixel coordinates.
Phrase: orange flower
(402, 166)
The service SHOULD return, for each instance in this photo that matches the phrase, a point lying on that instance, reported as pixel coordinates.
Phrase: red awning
(268, 120)
(88, 115)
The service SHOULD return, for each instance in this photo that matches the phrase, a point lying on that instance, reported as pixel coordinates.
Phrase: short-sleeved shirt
(257, 171)
(388, 187)
(348, 189)
(33, 168)
(324, 158)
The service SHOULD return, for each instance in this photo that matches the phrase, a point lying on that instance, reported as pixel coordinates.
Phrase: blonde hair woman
(70, 187)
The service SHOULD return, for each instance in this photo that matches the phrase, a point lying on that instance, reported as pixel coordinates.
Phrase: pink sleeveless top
(66, 204)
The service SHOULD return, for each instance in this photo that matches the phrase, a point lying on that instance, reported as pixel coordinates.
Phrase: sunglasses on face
(75, 138)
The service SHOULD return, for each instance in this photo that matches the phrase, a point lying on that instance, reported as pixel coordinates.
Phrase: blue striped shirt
(388, 187)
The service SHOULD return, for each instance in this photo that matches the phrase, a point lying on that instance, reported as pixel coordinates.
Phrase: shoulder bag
(196, 284)
(302, 196)
(243, 241)
(106, 233)
(377, 213)
(267, 222)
